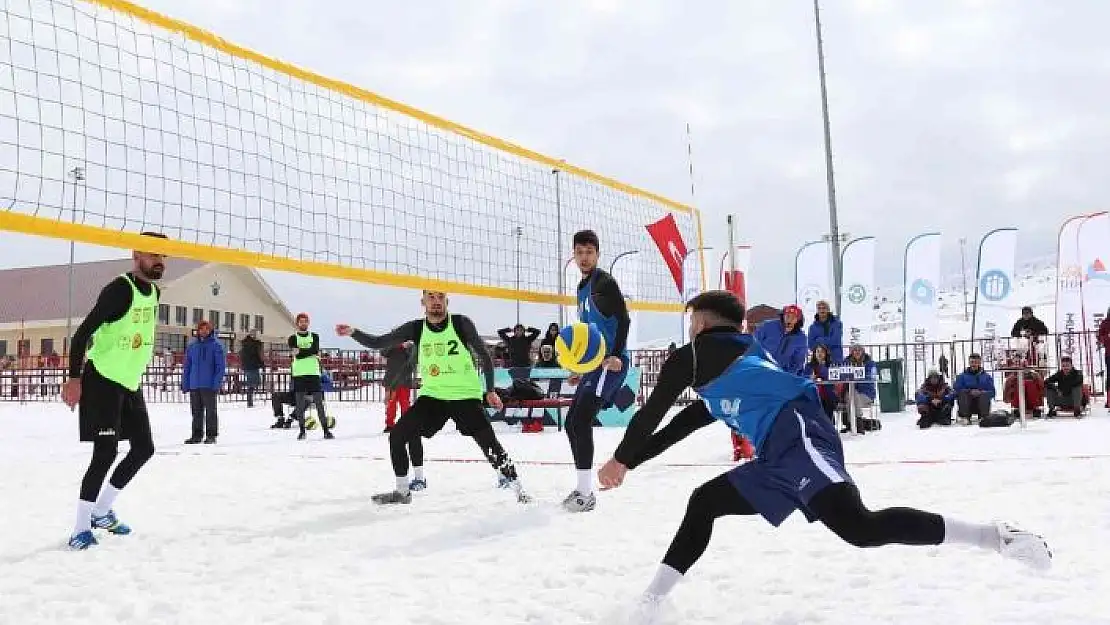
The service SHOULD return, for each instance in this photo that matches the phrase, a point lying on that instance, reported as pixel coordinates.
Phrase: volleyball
(580, 347)
(311, 422)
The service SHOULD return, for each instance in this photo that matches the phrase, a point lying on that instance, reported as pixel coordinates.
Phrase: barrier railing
(358, 373)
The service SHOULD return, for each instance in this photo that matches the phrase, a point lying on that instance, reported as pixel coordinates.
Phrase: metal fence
(357, 374)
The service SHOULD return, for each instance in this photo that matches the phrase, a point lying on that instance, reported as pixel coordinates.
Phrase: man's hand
(71, 392)
(574, 379)
(613, 363)
(976, 392)
(611, 475)
(936, 402)
(407, 344)
(494, 400)
(343, 329)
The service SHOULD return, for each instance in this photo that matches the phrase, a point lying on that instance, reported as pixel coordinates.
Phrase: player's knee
(701, 502)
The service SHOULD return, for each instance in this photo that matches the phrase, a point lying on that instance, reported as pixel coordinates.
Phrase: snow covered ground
(264, 529)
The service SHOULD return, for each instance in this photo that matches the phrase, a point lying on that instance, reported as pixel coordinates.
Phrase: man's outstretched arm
(396, 336)
(689, 420)
(675, 376)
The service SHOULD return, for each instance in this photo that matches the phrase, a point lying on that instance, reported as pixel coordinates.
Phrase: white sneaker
(1026, 547)
(577, 502)
(645, 610)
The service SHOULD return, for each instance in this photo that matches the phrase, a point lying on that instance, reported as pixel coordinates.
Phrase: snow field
(261, 528)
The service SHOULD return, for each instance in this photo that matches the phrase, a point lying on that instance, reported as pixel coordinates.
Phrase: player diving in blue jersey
(601, 304)
(799, 462)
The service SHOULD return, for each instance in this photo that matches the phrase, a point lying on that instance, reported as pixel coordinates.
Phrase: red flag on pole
(669, 241)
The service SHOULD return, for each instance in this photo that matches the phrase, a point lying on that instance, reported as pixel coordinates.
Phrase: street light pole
(963, 272)
(834, 225)
(518, 232)
(78, 175)
(559, 241)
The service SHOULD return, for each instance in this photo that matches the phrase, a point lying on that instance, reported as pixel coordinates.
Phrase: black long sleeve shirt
(610, 302)
(412, 330)
(691, 365)
(520, 347)
(111, 305)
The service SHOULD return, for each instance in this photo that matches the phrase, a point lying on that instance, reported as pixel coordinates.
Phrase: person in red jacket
(1104, 344)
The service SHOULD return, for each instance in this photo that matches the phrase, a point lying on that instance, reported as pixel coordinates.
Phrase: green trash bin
(891, 387)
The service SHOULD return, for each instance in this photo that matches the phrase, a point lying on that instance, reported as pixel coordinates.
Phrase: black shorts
(432, 414)
(307, 384)
(109, 411)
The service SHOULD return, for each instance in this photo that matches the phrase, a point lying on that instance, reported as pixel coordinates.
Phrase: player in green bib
(107, 389)
(451, 388)
(305, 370)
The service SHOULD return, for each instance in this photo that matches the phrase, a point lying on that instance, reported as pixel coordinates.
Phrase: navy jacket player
(600, 303)
(799, 462)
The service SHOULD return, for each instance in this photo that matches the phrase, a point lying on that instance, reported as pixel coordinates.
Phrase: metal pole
(834, 226)
(963, 271)
(559, 242)
(518, 231)
(731, 248)
(78, 174)
(562, 280)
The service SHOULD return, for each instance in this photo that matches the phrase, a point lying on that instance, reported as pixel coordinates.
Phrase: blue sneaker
(418, 484)
(111, 523)
(82, 540)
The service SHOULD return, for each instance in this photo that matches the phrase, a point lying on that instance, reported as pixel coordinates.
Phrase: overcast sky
(950, 115)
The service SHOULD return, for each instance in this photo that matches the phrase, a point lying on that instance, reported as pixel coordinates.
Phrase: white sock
(585, 482)
(975, 534)
(403, 484)
(418, 473)
(105, 500)
(84, 516)
(664, 580)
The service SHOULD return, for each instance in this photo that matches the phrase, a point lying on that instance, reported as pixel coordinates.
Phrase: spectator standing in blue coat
(201, 377)
(827, 330)
(784, 340)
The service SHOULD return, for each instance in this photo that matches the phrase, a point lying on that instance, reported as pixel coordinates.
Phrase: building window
(229, 321)
(3, 349)
(171, 341)
(181, 315)
(244, 322)
(258, 325)
(46, 347)
(214, 319)
(198, 316)
(164, 314)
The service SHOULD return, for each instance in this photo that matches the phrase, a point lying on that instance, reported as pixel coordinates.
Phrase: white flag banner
(691, 283)
(994, 292)
(1069, 291)
(813, 277)
(920, 322)
(626, 271)
(857, 306)
(1094, 254)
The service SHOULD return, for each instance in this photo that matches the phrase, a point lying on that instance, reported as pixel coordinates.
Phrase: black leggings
(580, 429)
(838, 506)
(427, 416)
(104, 454)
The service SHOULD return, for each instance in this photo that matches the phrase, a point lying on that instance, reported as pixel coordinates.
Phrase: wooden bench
(560, 404)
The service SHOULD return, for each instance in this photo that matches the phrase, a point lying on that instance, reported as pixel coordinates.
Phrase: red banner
(669, 241)
(734, 283)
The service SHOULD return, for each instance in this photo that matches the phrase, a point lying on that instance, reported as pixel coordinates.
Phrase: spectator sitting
(1032, 384)
(934, 401)
(1064, 389)
(550, 336)
(817, 369)
(827, 330)
(862, 395)
(784, 340)
(547, 359)
(974, 390)
(287, 398)
(518, 345)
